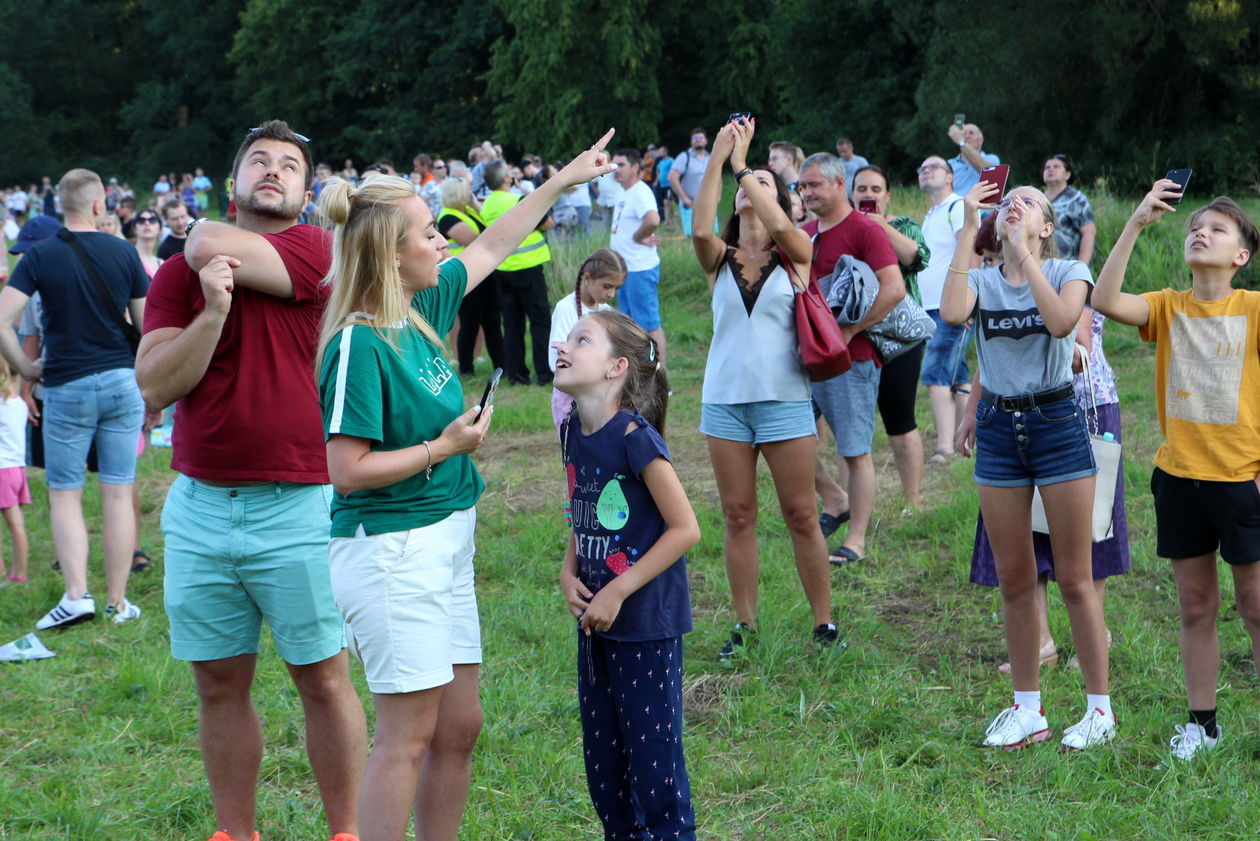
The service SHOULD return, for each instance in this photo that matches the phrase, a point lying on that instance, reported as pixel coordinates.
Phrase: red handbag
(824, 353)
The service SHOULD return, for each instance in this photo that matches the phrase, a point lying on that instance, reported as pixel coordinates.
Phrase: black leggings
(480, 311)
(898, 385)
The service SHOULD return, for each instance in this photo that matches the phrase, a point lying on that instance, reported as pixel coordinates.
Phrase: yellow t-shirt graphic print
(1207, 382)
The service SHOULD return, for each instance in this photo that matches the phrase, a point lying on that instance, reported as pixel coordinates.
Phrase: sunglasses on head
(301, 137)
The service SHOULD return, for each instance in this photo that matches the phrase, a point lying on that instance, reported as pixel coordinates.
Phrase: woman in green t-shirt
(399, 445)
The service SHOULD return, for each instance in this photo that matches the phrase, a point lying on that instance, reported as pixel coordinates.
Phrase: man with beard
(231, 334)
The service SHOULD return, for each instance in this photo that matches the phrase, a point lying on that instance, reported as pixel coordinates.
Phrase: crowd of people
(326, 480)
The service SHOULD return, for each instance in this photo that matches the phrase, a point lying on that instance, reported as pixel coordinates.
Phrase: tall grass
(877, 741)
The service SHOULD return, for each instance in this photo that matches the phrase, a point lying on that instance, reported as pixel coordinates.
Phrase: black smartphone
(960, 119)
(739, 115)
(491, 387)
(867, 206)
(1182, 177)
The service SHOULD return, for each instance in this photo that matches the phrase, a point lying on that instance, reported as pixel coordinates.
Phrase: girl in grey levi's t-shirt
(1017, 353)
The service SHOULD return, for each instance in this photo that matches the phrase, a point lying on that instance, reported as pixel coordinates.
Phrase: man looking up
(848, 402)
(945, 359)
(970, 159)
(687, 173)
(231, 335)
(634, 224)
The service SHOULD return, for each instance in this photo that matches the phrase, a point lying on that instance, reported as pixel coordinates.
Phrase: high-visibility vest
(533, 251)
(471, 219)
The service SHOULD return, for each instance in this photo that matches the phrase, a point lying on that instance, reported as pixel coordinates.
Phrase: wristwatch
(194, 223)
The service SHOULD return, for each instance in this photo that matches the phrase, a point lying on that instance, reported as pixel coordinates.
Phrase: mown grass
(877, 741)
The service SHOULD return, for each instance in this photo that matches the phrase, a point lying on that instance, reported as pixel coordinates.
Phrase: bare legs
(1199, 601)
(791, 465)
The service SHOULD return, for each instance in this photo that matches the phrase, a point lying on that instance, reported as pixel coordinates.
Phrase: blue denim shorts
(638, 297)
(1041, 446)
(945, 360)
(235, 556)
(105, 407)
(758, 423)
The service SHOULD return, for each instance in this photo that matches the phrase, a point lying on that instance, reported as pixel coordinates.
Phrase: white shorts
(408, 601)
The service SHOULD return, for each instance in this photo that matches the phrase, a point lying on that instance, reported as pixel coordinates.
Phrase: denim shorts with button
(105, 407)
(1044, 445)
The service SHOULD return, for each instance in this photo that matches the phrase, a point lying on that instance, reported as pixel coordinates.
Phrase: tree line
(1128, 88)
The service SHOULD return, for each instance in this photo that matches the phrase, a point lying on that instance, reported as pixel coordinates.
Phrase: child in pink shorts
(14, 491)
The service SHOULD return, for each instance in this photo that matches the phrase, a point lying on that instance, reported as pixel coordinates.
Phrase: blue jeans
(105, 407)
(945, 360)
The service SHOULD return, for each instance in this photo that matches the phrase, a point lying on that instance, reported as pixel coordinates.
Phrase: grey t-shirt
(690, 169)
(1017, 353)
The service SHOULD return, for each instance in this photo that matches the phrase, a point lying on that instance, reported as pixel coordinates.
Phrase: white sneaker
(1017, 727)
(68, 612)
(1192, 738)
(126, 613)
(1096, 728)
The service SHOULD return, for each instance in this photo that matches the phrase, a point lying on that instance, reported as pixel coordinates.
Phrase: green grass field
(878, 741)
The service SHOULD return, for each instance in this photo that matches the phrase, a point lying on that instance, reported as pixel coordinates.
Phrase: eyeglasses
(301, 137)
(1025, 200)
(929, 168)
(146, 220)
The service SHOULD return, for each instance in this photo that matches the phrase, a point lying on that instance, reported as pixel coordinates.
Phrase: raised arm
(794, 242)
(498, 241)
(958, 300)
(259, 266)
(172, 360)
(1108, 298)
(1060, 309)
(709, 249)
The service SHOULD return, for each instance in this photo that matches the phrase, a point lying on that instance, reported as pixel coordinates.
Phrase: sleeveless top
(753, 356)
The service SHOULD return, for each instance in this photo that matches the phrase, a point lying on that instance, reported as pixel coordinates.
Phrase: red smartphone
(867, 206)
(996, 175)
(1182, 177)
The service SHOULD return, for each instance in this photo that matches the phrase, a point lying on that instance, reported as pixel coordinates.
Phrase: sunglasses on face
(146, 220)
(439, 166)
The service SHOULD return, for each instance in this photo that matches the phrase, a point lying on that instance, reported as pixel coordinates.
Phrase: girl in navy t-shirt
(625, 577)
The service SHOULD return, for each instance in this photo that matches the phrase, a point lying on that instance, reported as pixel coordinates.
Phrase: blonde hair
(456, 193)
(370, 222)
(8, 382)
(1049, 248)
(78, 188)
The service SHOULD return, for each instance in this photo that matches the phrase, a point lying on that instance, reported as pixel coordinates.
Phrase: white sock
(1102, 702)
(1028, 700)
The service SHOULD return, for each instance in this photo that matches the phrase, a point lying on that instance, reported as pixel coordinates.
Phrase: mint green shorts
(235, 556)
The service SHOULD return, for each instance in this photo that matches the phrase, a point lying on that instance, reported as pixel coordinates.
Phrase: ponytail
(602, 263)
(646, 388)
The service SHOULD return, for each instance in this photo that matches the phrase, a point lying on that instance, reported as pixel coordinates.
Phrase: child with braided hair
(598, 279)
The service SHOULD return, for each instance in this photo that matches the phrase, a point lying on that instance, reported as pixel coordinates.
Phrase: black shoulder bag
(129, 331)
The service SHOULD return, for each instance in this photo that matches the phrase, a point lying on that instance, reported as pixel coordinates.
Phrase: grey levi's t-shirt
(1017, 353)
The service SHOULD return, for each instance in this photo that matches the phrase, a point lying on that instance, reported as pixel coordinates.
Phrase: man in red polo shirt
(848, 402)
(230, 334)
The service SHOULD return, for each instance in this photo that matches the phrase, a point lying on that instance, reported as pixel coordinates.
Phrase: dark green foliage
(1128, 88)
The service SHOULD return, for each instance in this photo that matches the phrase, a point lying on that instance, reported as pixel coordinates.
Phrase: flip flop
(940, 457)
(830, 522)
(843, 555)
(140, 562)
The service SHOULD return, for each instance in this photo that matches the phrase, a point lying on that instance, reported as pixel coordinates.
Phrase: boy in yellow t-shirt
(1206, 481)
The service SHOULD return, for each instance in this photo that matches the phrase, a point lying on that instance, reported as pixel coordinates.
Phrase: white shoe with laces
(1192, 738)
(1016, 727)
(122, 613)
(1096, 728)
(68, 612)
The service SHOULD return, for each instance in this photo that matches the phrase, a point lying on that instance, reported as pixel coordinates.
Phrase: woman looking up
(756, 398)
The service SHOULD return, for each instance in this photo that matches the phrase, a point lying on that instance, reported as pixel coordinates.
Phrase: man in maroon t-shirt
(848, 401)
(230, 334)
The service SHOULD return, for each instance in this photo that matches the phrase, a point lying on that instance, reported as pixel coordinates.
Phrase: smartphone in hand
(960, 119)
(739, 117)
(487, 398)
(1182, 177)
(996, 175)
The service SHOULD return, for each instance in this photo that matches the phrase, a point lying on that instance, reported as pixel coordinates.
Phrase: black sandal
(830, 522)
(140, 561)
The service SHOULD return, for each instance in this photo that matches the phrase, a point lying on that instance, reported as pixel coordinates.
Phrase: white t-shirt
(609, 190)
(12, 432)
(634, 204)
(940, 233)
(563, 317)
(579, 196)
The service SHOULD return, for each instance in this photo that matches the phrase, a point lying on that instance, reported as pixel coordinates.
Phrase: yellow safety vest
(533, 251)
(471, 219)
